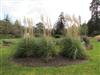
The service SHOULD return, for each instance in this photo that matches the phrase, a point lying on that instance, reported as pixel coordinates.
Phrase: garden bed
(37, 62)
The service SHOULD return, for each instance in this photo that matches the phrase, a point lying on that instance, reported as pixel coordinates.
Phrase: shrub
(41, 47)
(83, 29)
(72, 49)
(47, 48)
(44, 48)
(23, 47)
(86, 42)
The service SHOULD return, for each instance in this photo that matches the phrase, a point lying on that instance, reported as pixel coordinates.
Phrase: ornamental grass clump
(73, 27)
(72, 48)
(46, 47)
(23, 48)
(25, 44)
(43, 47)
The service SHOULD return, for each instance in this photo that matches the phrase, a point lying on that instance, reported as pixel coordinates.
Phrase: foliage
(6, 36)
(39, 30)
(5, 26)
(7, 42)
(8, 28)
(59, 26)
(73, 27)
(72, 48)
(94, 22)
(86, 42)
(89, 67)
(47, 47)
(84, 29)
(38, 47)
(17, 29)
(93, 27)
(23, 47)
(44, 47)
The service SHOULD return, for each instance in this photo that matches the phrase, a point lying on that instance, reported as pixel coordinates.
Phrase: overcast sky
(17, 9)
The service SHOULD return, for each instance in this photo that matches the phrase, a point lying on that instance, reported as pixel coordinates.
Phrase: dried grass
(97, 37)
(73, 27)
(28, 31)
(44, 31)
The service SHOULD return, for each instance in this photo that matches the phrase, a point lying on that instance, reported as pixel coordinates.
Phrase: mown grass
(90, 67)
(5, 36)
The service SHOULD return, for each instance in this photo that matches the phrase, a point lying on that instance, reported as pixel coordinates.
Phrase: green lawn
(91, 67)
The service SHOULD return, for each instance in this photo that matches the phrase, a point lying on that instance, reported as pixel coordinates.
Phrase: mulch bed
(37, 62)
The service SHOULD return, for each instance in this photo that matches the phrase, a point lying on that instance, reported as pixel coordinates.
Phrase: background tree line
(91, 28)
(17, 30)
(9, 28)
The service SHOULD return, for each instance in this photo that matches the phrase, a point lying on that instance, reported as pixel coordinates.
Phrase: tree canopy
(94, 22)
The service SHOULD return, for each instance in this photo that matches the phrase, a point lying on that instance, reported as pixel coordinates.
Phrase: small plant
(86, 42)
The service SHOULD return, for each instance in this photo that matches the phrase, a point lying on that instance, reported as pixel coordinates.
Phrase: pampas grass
(73, 27)
(44, 31)
(28, 31)
(49, 26)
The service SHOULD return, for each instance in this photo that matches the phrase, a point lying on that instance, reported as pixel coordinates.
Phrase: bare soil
(37, 62)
